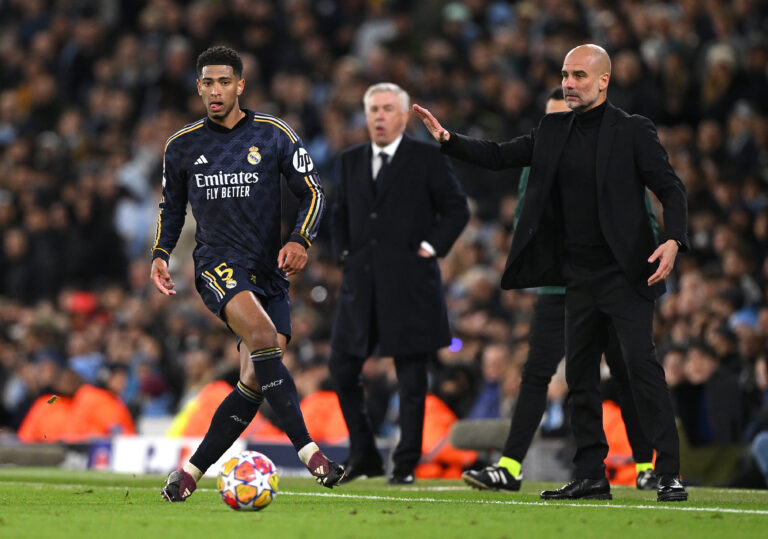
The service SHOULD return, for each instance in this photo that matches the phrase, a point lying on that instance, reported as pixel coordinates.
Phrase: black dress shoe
(356, 470)
(401, 479)
(581, 489)
(671, 489)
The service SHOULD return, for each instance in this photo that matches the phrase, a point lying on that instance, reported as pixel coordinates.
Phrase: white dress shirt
(389, 149)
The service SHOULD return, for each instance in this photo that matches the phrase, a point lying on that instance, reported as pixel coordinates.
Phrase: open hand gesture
(431, 123)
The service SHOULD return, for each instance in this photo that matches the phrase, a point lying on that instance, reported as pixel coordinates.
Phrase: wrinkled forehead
(579, 61)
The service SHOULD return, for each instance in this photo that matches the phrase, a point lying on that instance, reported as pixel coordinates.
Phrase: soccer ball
(248, 482)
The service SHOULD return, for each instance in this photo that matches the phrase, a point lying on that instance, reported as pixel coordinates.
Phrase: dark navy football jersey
(231, 178)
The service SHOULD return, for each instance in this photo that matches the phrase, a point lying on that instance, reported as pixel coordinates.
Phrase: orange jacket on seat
(438, 457)
(97, 412)
(46, 422)
(322, 414)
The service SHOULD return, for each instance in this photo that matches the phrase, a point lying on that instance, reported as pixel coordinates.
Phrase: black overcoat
(417, 199)
(629, 159)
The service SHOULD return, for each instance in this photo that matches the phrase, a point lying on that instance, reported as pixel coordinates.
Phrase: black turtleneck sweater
(576, 177)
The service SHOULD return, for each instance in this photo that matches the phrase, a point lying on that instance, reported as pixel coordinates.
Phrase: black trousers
(546, 349)
(592, 301)
(412, 388)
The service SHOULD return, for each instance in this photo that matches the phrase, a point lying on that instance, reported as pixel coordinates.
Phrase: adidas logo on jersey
(201, 160)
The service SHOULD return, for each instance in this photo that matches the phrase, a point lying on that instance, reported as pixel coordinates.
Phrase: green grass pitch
(51, 503)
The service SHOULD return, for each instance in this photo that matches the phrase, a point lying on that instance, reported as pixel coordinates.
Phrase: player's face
(385, 117)
(220, 88)
(583, 84)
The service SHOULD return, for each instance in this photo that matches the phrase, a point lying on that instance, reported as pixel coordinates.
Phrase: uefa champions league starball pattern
(248, 482)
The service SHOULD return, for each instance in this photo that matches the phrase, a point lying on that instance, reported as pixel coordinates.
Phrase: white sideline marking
(709, 489)
(542, 504)
(731, 490)
(661, 507)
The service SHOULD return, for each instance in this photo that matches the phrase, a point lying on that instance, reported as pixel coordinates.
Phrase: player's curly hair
(220, 56)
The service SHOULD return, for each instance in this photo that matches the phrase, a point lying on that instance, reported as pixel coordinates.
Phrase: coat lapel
(604, 143)
(539, 191)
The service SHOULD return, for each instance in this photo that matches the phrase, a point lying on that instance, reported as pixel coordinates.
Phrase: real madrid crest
(254, 157)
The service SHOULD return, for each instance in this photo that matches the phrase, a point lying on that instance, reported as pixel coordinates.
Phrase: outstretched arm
(484, 153)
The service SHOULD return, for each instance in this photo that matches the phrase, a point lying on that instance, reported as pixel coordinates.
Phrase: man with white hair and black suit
(398, 208)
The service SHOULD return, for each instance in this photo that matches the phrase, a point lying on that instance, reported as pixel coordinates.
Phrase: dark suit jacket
(629, 159)
(417, 199)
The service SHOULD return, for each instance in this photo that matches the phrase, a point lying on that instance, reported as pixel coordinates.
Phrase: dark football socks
(280, 391)
(229, 421)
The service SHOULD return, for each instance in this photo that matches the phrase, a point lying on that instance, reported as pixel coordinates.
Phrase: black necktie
(384, 162)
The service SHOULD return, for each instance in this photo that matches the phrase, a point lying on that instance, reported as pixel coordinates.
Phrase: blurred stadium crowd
(91, 89)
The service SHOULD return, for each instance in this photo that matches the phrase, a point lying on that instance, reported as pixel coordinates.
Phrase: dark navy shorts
(219, 283)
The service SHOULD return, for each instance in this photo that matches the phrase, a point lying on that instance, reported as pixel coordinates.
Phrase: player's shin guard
(279, 389)
(229, 421)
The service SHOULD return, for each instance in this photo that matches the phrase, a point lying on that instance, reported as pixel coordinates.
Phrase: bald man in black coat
(584, 224)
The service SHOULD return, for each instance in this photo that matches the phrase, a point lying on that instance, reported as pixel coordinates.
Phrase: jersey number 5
(224, 272)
